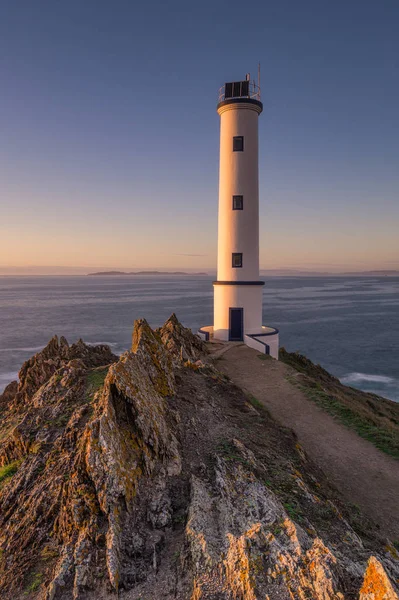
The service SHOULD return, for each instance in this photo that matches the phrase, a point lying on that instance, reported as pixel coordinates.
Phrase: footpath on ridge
(364, 475)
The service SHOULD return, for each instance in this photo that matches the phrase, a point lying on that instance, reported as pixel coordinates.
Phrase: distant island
(144, 273)
(263, 272)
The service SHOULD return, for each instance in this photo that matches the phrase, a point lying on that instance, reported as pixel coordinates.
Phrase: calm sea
(350, 325)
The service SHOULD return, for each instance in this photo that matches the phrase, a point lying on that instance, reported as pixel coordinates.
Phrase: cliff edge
(151, 475)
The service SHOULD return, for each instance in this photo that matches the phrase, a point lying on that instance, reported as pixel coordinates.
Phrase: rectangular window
(238, 203)
(237, 260)
(236, 89)
(238, 143)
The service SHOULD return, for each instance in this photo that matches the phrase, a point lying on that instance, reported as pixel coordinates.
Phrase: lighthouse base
(237, 310)
(266, 341)
(237, 317)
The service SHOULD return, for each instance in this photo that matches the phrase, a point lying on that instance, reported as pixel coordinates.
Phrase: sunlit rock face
(376, 584)
(151, 476)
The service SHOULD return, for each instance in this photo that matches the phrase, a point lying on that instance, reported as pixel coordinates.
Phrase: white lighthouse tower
(238, 290)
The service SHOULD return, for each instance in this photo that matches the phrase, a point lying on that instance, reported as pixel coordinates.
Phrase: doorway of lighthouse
(236, 332)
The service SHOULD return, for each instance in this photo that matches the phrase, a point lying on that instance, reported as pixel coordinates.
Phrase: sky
(109, 133)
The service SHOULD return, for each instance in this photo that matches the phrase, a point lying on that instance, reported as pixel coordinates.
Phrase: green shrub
(9, 470)
(36, 582)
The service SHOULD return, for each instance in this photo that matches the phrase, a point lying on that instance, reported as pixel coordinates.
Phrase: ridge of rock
(37, 370)
(180, 341)
(152, 476)
(147, 345)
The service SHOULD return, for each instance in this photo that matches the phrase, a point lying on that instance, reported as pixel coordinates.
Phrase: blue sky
(109, 131)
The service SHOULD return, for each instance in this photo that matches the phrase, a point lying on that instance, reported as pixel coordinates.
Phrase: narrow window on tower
(237, 260)
(238, 203)
(238, 143)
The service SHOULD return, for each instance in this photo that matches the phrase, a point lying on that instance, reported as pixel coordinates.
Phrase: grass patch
(49, 553)
(373, 418)
(35, 447)
(263, 357)
(255, 402)
(230, 453)
(258, 405)
(385, 440)
(294, 511)
(34, 585)
(9, 470)
(277, 527)
(95, 381)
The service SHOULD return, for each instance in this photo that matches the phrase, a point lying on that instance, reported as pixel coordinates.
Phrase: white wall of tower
(237, 296)
(238, 230)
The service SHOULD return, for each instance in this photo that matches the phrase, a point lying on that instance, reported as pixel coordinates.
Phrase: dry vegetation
(372, 417)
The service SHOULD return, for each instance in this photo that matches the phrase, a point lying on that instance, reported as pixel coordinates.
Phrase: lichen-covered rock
(37, 370)
(147, 345)
(130, 440)
(180, 341)
(151, 476)
(376, 584)
(242, 543)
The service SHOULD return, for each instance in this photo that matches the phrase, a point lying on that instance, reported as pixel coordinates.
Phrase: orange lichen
(197, 592)
(376, 585)
(240, 570)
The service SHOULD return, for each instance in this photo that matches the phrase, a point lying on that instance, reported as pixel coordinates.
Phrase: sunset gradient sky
(109, 131)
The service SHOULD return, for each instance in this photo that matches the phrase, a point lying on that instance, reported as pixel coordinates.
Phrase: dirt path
(363, 474)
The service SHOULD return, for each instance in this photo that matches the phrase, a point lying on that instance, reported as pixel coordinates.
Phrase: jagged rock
(243, 544)
(154, 356)
(129, 440)
(8, 394)
(37, 370)
(151, 476)
(376, 584)
(180, 341)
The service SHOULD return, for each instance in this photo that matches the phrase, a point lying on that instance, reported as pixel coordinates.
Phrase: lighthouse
(238, 289)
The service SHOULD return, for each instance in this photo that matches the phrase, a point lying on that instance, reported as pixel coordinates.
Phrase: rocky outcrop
(37, 370)
(151, 476)
(180, 342)
(376, 585)
(244, 545)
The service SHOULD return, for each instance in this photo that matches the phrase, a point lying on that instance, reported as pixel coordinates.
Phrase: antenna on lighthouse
(259, 79)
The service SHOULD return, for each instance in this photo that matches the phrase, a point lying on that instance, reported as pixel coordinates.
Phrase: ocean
(350, 325)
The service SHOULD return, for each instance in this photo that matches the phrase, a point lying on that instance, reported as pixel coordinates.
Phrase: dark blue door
(236, 324)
